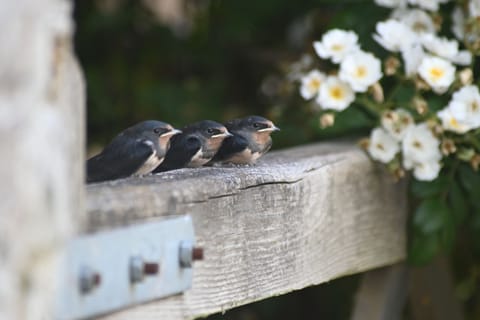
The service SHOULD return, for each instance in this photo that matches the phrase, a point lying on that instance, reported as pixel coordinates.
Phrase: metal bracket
(111, 270)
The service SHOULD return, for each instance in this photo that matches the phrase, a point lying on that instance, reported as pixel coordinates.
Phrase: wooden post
(432, 293)
(41, 148)
(382, 294)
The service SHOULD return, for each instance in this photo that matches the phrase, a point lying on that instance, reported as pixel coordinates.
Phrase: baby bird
(251, 140)
(195, 146)
(135, 151)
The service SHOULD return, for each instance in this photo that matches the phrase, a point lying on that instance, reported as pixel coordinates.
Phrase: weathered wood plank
(300, 217)
(41, 146)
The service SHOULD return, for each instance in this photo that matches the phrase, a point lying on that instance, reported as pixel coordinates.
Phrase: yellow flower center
(417, 144)
(336, 93)
(405, 120)
(419, 27)
(436, 73)
(337, 47)
(454, 123)
(380, 146)
(361, 72)
(474, 106)
(314, 84)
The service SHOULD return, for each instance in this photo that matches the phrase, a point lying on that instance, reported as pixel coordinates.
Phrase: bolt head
(189, 253)
(89, 280)
(139, 269)
(136, 269)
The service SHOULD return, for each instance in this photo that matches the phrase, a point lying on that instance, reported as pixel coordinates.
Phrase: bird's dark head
(208, 129)
(258, 124)
(251, 124)
(254, 127)
(211, 134)
(156, 131)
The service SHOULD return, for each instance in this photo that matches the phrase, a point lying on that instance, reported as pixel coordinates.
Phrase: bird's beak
(223, 134)
(270, 129)
(171, 133)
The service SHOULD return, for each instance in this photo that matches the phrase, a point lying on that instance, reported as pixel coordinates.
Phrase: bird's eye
(256, 125)
(158, 130)
(210, 131)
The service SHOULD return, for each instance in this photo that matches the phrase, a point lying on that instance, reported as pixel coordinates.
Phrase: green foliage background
(137, 68)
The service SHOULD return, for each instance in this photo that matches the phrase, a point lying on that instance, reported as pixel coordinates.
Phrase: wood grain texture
(298, 218)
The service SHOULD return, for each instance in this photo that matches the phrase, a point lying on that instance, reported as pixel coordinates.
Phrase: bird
(195, 146)
(135, 151)
(249, 141)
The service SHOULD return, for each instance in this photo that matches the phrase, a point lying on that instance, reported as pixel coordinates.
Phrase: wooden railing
(301, 217)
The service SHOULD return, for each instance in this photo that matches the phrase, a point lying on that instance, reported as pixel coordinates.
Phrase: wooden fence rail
(300, 217)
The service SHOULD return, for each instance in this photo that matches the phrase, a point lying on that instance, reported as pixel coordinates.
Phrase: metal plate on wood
(115, 269)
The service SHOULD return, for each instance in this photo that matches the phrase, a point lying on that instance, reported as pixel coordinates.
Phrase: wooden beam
(301, 217)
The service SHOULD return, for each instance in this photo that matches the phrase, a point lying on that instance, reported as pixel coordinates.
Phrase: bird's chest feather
(151, 163)
(148, 166)
(212, 145)
(206, 153)
(199, 159)
(263, 140)
(247, 156)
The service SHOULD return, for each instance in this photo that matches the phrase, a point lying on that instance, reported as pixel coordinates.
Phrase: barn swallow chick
(195, 146)
(251, 140)
(135, 151)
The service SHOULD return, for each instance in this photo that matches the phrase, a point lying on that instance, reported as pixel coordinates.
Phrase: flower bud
(391, 65)
(364, 143)
(475, 162)
(465, 154)
(436, 128)
(376, 91)
(466, 76)
(327, 120)
(420, 105)
(398, 173)
(437, 21)
(448, 147)
(420, 84)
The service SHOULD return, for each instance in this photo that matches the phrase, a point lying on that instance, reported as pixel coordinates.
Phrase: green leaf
(465, 154)
(425, 189)
(430, 215)
(458, 203)
(474, 226)
(435, 102)
(403, 94)
(470, 181)
(423, 248)
(448, 232)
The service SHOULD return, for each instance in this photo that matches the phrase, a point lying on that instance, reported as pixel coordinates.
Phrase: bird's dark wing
(120, 159)
(182, 149)
(230, 146)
